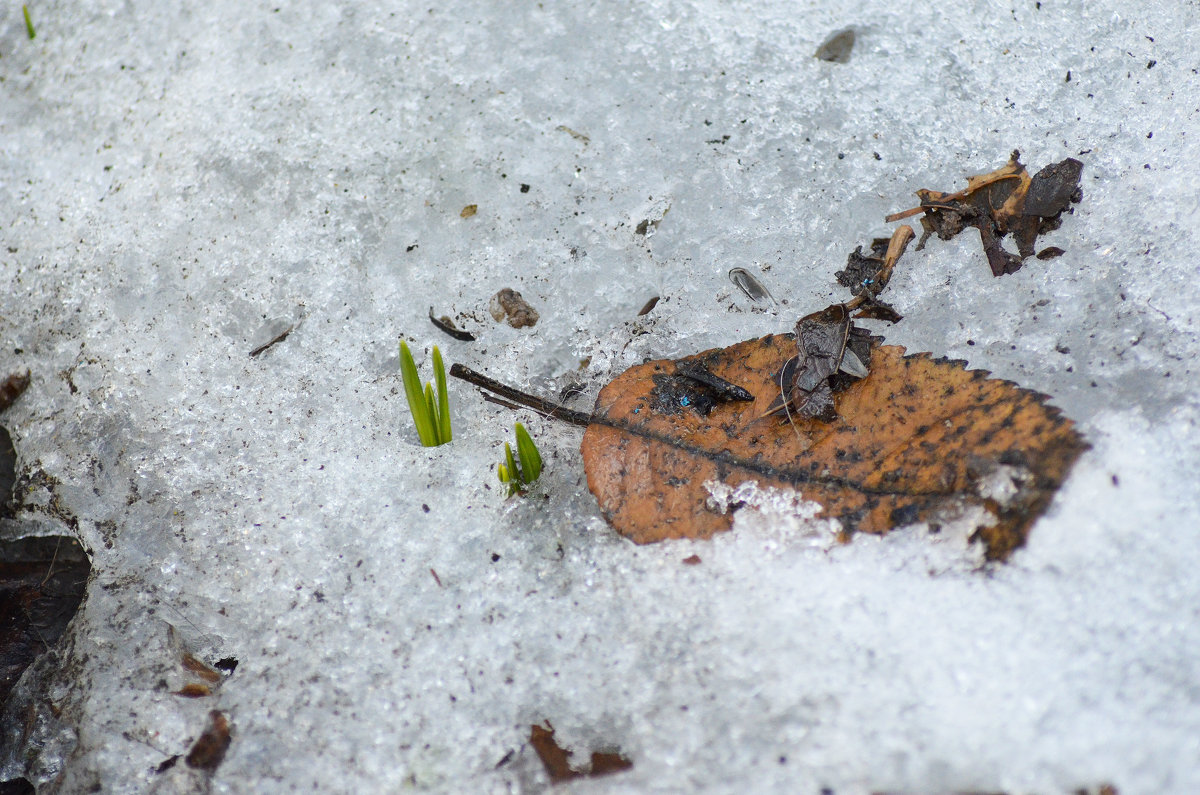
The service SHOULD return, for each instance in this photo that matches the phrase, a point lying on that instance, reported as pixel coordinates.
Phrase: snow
(179, 183)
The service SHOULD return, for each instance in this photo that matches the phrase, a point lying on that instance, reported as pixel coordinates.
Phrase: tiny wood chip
(918, 439)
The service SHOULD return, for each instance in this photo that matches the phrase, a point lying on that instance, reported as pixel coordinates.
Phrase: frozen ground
(179, 182)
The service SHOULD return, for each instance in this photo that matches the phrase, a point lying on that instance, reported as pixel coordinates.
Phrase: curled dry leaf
(919, 439)
(1005, 201)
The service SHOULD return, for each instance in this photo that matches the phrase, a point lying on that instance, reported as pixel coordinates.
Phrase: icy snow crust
(180, 182)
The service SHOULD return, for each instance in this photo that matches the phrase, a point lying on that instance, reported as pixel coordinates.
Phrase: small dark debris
(446, 325)
(524, 188)
(861, 269)
(508, 306)
(837, 47)
(1050, 252)
(468, 211)
(12, 387)
(642, 227)
(672, 394)
(8, 471)
(495, 557)
(648, 306)
(724, 139)
(573, 389)
(278, 338)
(693, 387)
(194, 690)
(409, 249)
(723, 391)
(226, 664)
(167, 764)
(691, 560)
(209, 750)
(424, 507)
(436, 578)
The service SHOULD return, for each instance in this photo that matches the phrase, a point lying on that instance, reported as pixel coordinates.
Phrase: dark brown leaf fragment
(42, 582)
(12, 387)
(862, 270)
(199, 668)
(209, 750)
(1005, 201)
(556, 759)
(825, 340)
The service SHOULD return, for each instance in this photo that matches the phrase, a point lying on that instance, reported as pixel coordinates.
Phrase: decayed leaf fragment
(828, 343)
(1005, 201)
(557, 760)
(920, 439)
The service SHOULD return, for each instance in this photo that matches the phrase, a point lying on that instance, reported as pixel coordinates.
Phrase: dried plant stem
(541, 405)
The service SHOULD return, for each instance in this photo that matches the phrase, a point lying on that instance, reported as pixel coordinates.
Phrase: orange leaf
(918, 439)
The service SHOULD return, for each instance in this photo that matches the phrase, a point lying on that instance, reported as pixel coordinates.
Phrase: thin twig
(541, 405)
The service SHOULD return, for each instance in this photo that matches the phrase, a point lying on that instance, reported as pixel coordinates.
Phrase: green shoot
(29, 23)
(518, 476)
(430, 410)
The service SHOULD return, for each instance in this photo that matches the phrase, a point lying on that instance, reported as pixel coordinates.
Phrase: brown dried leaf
(191, 663)
(209, 749)
(1005, 201)
(557, 760)
(918, 439)
(194, 690)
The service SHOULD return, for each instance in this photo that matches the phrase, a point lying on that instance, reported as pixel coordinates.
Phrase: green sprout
(518, 476)
(29, 23)
(431, 414)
